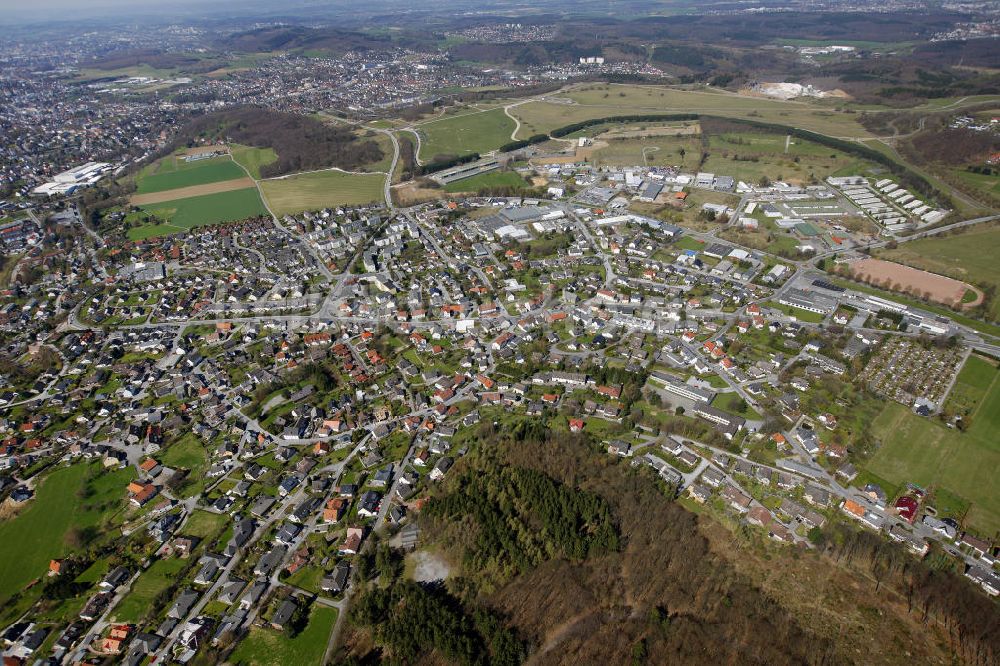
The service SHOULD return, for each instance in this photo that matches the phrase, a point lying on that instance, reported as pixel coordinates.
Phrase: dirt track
(911, 280)
(191, 191)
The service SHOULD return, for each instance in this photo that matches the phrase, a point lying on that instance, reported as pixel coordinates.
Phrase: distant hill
(301, 38)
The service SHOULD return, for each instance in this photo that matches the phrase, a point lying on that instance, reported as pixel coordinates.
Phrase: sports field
(910, 280)
(266, 647)
(321, 189)
(39, 531)
(471, 132)
(183, 214)
(963, 464)
(966, 256)
(598, 100)
(173, 173)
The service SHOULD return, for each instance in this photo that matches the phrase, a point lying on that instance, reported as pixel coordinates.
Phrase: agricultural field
(252, 159)
(172, 173)
(474, 132)
(492, 179)
(963, 464)
(964, 256)
(596, 101)
(266, 647)
(187, 213)
(78, 497)
(321, 189)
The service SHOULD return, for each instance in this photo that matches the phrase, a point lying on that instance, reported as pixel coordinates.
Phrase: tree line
(411, 620)
(971, 620)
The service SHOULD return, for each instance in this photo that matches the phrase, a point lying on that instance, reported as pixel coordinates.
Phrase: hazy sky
(69, 9)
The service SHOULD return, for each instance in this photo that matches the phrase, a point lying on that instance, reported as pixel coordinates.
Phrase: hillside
(589, 562)
(302, 143)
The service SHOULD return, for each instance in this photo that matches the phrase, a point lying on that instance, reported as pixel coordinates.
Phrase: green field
(385, 143)
(971, 386)
(186, 174)
(252, 159)
(39, 532)
(597, 101)
(266, 647)
(963, 464)
(475, 132)
(730, 402)
(204, 525)
(484, 180)
(750, 156)
(989, 184)
(182, 214)
(160, 575)
(969, 256)
(321, 189)
(659, 151)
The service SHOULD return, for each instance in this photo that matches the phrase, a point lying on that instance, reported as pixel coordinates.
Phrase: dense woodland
(302, 143)
(411, 620)
(524, 518)
(955, 146)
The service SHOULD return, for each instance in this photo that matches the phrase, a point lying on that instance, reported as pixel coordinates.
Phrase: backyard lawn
(160, 575)
(731, 402)
(188, 453)
(266, 647)
(204, 525)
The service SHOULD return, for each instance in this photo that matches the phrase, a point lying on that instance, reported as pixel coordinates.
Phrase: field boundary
(191, 191)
